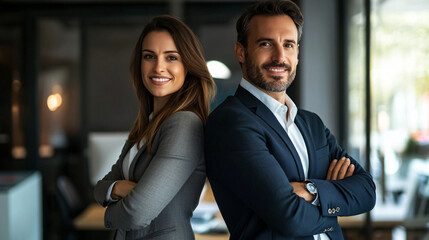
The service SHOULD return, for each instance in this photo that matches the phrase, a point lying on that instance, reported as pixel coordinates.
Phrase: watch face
(311, 188)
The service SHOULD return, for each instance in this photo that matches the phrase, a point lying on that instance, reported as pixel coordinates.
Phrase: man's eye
(265, 44)
(288, 45)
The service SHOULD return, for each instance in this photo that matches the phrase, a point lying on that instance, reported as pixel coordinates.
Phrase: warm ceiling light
(218, 69)
(54, 101)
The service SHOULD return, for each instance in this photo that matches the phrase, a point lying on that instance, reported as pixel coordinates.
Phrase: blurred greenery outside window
(399, 73)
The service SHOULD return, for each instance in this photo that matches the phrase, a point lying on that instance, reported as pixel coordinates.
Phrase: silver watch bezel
(311, 188)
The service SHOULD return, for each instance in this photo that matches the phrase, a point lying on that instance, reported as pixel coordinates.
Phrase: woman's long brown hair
(196, 93)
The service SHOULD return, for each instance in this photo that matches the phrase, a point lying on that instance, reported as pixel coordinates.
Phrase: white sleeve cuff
(109, 199)
(316, 200)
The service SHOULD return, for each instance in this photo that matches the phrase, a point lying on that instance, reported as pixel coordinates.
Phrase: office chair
(417, 219)
(422, 202)
(70, 203)
(426, 237)
(422, 197)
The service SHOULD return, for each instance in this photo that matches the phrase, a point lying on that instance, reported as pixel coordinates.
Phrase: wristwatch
(311, 188)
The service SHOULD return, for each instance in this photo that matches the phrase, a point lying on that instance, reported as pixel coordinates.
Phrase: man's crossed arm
(338, 169)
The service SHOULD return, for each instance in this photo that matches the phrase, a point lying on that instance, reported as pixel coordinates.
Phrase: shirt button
(330, 211)
(338, 209)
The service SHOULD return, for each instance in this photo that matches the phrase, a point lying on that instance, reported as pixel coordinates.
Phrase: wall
(318, 61)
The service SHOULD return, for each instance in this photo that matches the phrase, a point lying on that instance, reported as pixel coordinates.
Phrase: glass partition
(399, 119)
(400, 90)
(12, 145)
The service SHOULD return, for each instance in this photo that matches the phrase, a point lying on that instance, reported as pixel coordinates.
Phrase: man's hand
(340, 169)
(121, 189)
(300, 190)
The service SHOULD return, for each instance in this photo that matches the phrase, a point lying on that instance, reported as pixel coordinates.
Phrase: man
(277, 172)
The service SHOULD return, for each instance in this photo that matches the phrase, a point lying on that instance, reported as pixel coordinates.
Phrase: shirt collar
(290, 108)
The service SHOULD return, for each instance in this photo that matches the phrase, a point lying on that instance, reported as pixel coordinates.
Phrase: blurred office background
(66, 95)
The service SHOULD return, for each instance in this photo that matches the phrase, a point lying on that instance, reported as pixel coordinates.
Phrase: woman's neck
(159, 103)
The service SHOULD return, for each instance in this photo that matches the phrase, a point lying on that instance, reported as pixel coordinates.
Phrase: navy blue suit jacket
(251, 160)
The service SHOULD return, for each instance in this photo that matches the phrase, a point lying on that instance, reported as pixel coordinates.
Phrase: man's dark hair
(268, 8)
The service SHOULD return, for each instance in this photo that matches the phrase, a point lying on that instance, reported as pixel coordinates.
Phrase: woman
(152, 190)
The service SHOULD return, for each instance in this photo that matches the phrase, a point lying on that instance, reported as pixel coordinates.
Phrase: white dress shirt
(126, 163)
(286, 114)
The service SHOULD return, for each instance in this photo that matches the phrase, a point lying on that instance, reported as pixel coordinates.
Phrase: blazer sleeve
(239, 160)
(115, 174)
(179, 151)
(350, 196)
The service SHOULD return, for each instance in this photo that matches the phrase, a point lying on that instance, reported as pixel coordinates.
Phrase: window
(399, 79)
(400, 87)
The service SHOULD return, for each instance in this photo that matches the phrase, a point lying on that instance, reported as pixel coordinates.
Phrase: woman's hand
(121, 189)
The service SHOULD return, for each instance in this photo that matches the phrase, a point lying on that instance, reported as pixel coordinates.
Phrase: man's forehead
(272, 26)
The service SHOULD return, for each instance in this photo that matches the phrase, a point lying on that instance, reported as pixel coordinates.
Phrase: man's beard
(255, 76)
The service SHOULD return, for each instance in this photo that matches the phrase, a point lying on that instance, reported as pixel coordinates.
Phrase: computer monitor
(104, 149)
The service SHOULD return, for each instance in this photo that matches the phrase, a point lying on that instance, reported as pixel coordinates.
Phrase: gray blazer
(169, 183)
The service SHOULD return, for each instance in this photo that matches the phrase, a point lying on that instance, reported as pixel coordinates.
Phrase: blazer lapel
(124, 152)
(268, 117)
(308, 143)
(131, 171)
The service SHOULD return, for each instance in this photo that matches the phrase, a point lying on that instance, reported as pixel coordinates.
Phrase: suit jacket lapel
(266, 115)
(131, 171)
(124, 152)
(308, 143)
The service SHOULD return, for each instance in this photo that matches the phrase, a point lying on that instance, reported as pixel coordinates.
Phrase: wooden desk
(92, 218)
(211, 237)
(358, 221)
(386, 217)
